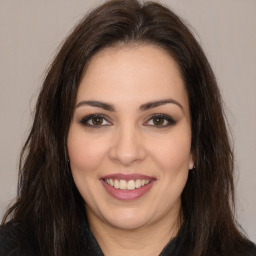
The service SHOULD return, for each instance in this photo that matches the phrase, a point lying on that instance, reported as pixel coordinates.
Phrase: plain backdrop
(31, 31)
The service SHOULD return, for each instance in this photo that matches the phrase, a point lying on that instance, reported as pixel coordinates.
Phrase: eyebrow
(97, 104)
(143, 107)
(157, 103)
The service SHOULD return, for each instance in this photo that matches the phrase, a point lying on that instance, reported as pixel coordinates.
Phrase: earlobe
(191, 164)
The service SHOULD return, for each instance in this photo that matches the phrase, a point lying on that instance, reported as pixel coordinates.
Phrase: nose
(127, 146)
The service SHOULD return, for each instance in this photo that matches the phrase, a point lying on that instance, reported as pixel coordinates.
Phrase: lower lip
(127, 195)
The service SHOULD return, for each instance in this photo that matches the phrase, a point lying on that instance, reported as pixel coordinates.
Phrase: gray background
(30, 32)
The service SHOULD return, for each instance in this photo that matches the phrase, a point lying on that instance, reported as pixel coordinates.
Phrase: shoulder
(251, 249)
(14, 241)
(244, 248)
(8, 243)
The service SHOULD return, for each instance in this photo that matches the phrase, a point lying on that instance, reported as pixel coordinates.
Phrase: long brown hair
(48, 203)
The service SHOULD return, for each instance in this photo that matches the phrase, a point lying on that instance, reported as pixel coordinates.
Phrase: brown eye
(97, 120)
(158, 120)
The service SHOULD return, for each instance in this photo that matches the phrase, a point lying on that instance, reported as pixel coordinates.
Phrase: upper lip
(132, 176)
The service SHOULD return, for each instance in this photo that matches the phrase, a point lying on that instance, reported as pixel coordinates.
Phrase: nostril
(126, 157)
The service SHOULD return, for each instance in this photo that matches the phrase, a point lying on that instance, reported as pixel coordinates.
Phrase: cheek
(85, 152)
(172, 154)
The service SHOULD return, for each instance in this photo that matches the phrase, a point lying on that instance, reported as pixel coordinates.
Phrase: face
(130, 138)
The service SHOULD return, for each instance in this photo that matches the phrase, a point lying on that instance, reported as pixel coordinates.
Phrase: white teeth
(138, 183)
(116, 183)
(131, 185)
(126, 185)
(122, 184)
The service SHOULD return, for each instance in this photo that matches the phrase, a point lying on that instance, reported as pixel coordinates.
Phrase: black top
(11, 236)
(93, 249)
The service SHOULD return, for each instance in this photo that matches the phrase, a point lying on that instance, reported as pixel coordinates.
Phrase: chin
(127, 219)
(128, 223)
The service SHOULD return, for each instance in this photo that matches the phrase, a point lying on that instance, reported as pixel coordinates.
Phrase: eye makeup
(101, 121)
(95, 121)
(161, 120)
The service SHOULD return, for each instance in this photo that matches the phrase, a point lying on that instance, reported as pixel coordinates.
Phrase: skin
(130, 141)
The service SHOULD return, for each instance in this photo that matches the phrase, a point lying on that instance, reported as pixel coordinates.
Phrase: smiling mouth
(127, 184)
(127, 187)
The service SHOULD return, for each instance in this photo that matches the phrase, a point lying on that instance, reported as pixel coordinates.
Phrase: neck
(148, 240)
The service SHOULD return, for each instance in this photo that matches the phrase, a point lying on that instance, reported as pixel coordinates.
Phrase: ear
(191, 164)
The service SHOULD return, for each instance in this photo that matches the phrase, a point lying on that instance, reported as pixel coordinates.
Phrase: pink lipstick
(127, 186)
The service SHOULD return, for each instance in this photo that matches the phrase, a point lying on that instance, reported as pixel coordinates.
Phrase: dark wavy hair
(48, 204)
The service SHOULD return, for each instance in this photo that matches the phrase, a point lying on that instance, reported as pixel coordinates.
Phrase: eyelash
(170, 120)
(84, 121)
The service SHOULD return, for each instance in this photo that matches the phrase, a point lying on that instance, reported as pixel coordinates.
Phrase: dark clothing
(93, 249)
(13, 242)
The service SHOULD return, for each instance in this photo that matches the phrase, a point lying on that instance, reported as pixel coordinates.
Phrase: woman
(128, 153)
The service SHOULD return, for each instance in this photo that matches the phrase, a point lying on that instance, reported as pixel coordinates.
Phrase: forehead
(132, 74)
